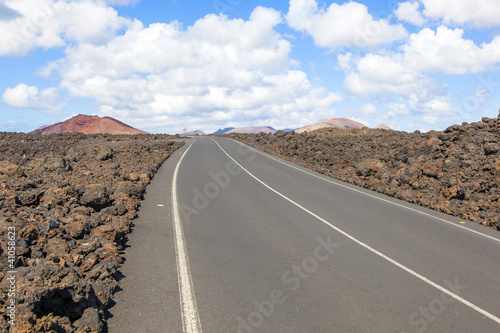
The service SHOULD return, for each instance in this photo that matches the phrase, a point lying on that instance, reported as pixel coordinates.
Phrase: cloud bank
(223, 71)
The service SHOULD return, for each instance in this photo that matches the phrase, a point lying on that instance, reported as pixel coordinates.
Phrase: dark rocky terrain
(71, 199)
(456, 171)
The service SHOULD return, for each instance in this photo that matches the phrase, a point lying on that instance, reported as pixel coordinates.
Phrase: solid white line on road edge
(189, 311)
(380, 254)
(371, 195)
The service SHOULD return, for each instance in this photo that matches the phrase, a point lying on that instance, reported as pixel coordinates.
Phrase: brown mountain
(88, 125)
(342, 123)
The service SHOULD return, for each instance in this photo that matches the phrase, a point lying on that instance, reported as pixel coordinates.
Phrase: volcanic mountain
(88, 125)
(223, 130)
(342, 123)
(383, 126)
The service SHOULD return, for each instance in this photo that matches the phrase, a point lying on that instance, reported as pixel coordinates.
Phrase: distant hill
(88, 125)
(224, 130)
(383, 126)
(342, 123)
(252, 130)
(289, 129)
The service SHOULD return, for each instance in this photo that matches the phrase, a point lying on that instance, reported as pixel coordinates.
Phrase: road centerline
(189, 310)
(366, 246)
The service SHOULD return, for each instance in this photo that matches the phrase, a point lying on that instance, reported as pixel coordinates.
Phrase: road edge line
(189, 310)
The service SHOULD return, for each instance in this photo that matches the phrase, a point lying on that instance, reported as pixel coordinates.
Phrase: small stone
(491, 148)
(55, 163)
(57, 247)
(90, 261)
(78, 228)
(10, 169)
(90, 319)
(95, 196)
(29, 198)
(454, 192)
(452, 128)
(53, 223)
(104, 153)
(369, 167)
(106, 232)
(130, 189)
(30, 233)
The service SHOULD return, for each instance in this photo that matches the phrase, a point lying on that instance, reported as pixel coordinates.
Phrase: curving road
(233, 240)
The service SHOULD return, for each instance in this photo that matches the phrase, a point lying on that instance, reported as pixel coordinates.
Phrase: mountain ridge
(342, 123)
(252, 130)
(88, 125)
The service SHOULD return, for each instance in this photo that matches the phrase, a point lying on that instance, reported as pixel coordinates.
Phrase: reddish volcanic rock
(88, 125)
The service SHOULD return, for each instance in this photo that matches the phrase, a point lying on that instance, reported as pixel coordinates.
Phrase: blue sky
(164, 65)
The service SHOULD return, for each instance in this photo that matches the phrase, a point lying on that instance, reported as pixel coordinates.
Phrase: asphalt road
(262, 245)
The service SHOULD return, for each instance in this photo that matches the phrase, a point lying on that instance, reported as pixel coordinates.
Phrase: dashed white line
(380, 254)
(373, 196)
(189, 310)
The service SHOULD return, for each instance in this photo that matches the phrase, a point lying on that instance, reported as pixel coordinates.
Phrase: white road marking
(189, 311)
(380, 254)
(371, 195)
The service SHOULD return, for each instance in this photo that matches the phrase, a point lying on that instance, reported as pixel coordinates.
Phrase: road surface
(229, 239)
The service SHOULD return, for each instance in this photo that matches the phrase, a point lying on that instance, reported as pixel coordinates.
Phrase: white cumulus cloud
(346, 25)
(368, 109)
(402, 79)
(478, 13)
(376, 75)
(446, 51)
(219, 71)
(29, 97)
(396, 109)
(408, 11)
(54, 23)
